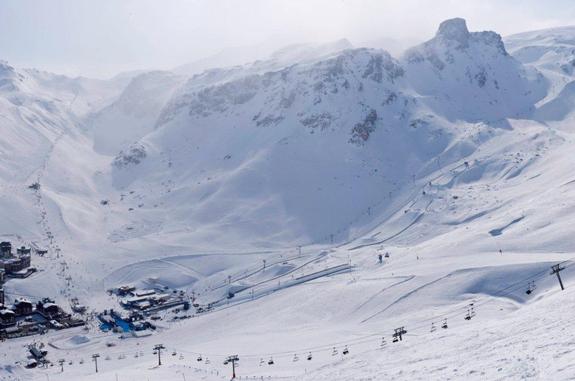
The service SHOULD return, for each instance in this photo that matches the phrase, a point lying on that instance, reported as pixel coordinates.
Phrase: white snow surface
(456, 158)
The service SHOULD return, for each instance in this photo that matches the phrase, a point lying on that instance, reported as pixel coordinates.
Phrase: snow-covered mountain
(470, 76)
(355, 126)
(455, 157)
(552, 52)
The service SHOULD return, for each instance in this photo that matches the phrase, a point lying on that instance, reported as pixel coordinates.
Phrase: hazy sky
(103, 37)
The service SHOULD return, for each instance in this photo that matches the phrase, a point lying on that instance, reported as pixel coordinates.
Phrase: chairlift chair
(309, 357)
(334, 352)
(199, 359)
(271, 361)
(295, 358)
(444, 325)
(345, 350)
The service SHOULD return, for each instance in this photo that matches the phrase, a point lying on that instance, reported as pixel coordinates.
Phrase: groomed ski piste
(453, 162)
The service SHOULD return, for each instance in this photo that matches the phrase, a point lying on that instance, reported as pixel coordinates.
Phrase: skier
(380, 257)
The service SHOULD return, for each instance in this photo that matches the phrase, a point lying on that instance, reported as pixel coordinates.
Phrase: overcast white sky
(102, 37)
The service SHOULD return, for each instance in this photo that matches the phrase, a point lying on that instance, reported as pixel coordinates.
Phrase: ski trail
(405, 296)
(371, 298)
(55, 251)
(186, 269)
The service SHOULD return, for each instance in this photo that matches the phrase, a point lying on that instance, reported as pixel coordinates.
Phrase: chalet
(23, 307)
(7, 317)
(48, 308)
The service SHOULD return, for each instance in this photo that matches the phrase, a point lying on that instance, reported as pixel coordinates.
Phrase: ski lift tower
(233, 359)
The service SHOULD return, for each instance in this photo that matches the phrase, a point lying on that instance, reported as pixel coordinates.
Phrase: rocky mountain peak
(454, 30)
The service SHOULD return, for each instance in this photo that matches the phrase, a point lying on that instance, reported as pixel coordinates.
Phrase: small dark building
(23, 250)
(5, 249)
(23, 307)
(37, 353)
(125, 290)
(48, 308)
(7, 317)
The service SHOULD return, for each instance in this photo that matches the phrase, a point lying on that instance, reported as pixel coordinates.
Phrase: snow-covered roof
(144, 292)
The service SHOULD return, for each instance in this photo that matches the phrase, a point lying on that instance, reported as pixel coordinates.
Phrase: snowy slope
(133, 114)
(552, 52)
(271, 155)
(443, 157)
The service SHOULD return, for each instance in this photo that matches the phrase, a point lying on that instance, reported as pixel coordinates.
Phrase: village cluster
(141, 308)
(24, 317)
